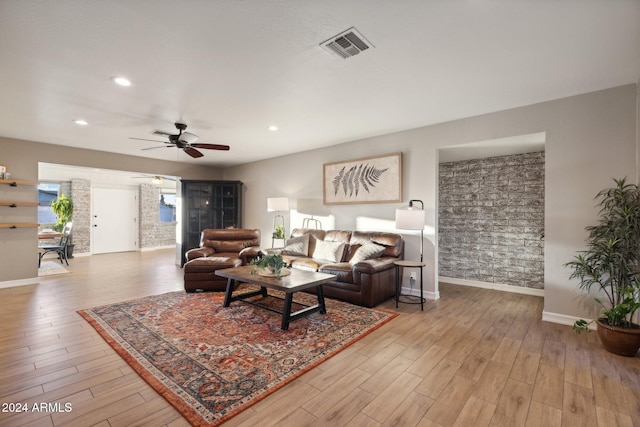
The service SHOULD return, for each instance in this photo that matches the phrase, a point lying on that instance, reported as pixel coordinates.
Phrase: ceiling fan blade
(152, 140)
(193, 152)
(161, 132)
(211, 146)
(188, 137)
(153, 148)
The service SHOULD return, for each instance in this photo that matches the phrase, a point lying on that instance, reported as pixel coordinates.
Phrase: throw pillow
(330, 251)
(297, 246)
(367, 251)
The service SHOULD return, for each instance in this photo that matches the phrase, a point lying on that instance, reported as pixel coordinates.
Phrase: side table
(410, 264)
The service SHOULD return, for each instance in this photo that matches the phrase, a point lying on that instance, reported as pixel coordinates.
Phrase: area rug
(50, 268)
(212, 362)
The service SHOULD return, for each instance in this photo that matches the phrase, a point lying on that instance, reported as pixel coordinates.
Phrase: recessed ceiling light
(81, 122)
(122, 81)
(273, 128)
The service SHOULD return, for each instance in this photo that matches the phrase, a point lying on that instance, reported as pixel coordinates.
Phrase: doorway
(114, 220)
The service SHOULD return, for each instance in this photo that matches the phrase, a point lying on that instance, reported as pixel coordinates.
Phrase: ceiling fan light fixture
(157, 180)
(188, 137)
(81, 122)
(121, 81)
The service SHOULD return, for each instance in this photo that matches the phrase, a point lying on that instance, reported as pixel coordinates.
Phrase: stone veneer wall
(81, 197)
(154, 233)
(491, 220)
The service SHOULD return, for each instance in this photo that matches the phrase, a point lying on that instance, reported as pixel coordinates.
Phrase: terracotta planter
(617, 340)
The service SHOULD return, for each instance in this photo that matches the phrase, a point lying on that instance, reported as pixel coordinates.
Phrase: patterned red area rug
(212, 362)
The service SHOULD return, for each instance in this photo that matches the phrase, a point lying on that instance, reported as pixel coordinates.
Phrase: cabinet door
(208, 204)
(225, 205)
(198, 212)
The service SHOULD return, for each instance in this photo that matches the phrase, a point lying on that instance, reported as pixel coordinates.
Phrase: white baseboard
(155, 248)
(21, 282)
(416, 292)
(563, 319)
(494, 286)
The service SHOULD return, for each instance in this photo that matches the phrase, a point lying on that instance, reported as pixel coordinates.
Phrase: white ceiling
(231, 68)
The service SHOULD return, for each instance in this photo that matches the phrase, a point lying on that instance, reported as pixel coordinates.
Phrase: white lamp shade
(277, 204)
(410, 219)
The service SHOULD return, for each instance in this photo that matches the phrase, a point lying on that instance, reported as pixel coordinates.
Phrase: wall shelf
(16, 204)
(19, 225)
(16, 182)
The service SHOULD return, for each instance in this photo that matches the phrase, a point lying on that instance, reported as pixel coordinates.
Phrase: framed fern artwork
(368, 180)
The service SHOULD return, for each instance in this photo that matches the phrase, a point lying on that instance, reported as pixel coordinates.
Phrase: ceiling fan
(156, 179)
(184, 140)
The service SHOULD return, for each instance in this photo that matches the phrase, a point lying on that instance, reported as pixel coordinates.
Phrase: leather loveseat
(364, 264)
(219, 248)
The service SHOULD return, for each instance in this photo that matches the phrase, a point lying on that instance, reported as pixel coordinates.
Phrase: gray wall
(491, 219)
(19, 248)
(590, 139)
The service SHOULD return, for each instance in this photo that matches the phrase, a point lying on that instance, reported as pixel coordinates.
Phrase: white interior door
(114, 220)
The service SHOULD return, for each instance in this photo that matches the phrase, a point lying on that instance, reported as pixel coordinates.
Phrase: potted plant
(62, 207)
(270, 265)
(610, 266)
(278, 232)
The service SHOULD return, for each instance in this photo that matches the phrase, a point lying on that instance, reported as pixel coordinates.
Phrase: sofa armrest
(374, 265)
(249, 254)
(199, 253)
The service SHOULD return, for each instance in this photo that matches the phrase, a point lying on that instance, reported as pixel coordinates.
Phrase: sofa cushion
(342, 270)
(367, 251)
(330, 251)
(297, 246)
(313, 236)
(393, 243)
(308, 264)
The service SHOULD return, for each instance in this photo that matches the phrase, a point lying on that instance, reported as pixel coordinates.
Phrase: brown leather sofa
(219, 248)
(366, 282)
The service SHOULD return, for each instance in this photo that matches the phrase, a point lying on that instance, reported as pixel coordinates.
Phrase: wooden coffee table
(298, 280)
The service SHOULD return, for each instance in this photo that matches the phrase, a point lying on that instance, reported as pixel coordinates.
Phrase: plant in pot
(610, 266)
(62, 207)
(270, 265)
(278, 232)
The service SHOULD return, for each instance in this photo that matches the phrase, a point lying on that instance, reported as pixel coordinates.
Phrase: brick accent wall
(81, 197)
(491, 219)
(153, 233)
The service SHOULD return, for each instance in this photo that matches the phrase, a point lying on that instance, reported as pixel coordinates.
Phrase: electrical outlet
(412, 276)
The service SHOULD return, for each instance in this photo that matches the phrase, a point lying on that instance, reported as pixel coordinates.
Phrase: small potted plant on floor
(270, 265)
(610, 266)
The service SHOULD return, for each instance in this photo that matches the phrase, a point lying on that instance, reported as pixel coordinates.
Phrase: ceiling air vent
(347, 44)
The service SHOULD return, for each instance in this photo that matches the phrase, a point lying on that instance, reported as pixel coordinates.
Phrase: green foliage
(63, 208)
(278, 232)
(272, 262)
(610, 264)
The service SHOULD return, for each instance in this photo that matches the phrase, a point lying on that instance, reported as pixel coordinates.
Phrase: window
(167, 207)
(47, 192)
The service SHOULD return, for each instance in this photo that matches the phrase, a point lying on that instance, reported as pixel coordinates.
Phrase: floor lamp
(412, 218)
(278, 204)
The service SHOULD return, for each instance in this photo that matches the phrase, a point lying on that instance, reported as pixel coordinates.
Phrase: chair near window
(60, 248)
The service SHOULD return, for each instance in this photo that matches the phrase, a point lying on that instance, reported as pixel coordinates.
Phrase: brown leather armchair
(219, 248)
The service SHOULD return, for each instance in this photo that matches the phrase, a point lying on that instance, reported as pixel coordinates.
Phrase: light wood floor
(476, 357)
